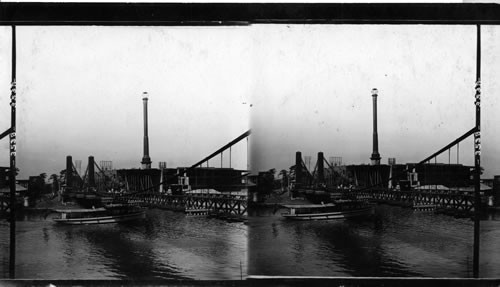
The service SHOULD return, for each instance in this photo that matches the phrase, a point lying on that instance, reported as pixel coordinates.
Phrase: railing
(216, 203)
(444, 198)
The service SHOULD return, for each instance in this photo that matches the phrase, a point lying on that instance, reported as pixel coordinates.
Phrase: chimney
(375, 158)
(146, 160)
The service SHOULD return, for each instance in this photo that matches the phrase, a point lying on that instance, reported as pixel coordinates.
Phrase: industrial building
(377, 175)
(410, 174)
(177, 179)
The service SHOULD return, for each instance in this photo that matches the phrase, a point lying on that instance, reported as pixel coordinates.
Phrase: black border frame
(208, 14)
(223, 14)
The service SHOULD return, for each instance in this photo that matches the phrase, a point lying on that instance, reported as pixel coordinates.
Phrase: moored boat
(109, 214)
(340, 209)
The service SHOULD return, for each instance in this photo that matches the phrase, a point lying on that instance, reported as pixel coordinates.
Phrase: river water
(166, 245)
(395, 241)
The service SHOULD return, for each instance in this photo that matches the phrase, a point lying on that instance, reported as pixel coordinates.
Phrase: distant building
(368, 175)
(449, 175)
(4, 183)
(23, 182)
(220, 179)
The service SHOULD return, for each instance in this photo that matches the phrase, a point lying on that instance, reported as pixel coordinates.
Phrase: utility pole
(477, 157)
(12, 176)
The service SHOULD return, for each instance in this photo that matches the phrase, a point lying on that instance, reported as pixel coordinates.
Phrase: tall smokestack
(375, 158)
(146, 160)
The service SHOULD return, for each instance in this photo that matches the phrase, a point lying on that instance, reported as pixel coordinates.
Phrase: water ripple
(167, 245)
(394, 242)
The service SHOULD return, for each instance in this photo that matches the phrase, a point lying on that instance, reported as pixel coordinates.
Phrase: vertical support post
(221, 159)
(161, 178)
(69, 173)
(321, 169)
(229, 157)
(91, 172)
(298, 168)
(477, 157)
(12, 171)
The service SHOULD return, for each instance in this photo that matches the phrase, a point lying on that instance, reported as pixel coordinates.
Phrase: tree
(55, 182)
(77, 180)
(54, 177)
(284, 179)
(265, 181)
(272, 171)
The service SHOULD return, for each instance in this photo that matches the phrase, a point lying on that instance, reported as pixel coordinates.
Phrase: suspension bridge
(196, 190)
(424, 183)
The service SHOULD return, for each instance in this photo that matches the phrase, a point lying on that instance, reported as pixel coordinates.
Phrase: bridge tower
(91, 172)
(69, 172)
(298, 168)
(321, 168)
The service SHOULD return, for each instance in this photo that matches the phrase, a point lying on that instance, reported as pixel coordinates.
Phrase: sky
(80, 94)
(313, 93)
(298, 87)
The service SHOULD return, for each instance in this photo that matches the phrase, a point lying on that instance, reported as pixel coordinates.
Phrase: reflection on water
(166, 245)
(394, 242)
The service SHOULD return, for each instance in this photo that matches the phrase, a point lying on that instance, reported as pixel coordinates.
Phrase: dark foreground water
(394, 242)
(166, 245)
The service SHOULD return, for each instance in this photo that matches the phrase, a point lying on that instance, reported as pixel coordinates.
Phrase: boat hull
(331, 215)
(102, 219)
